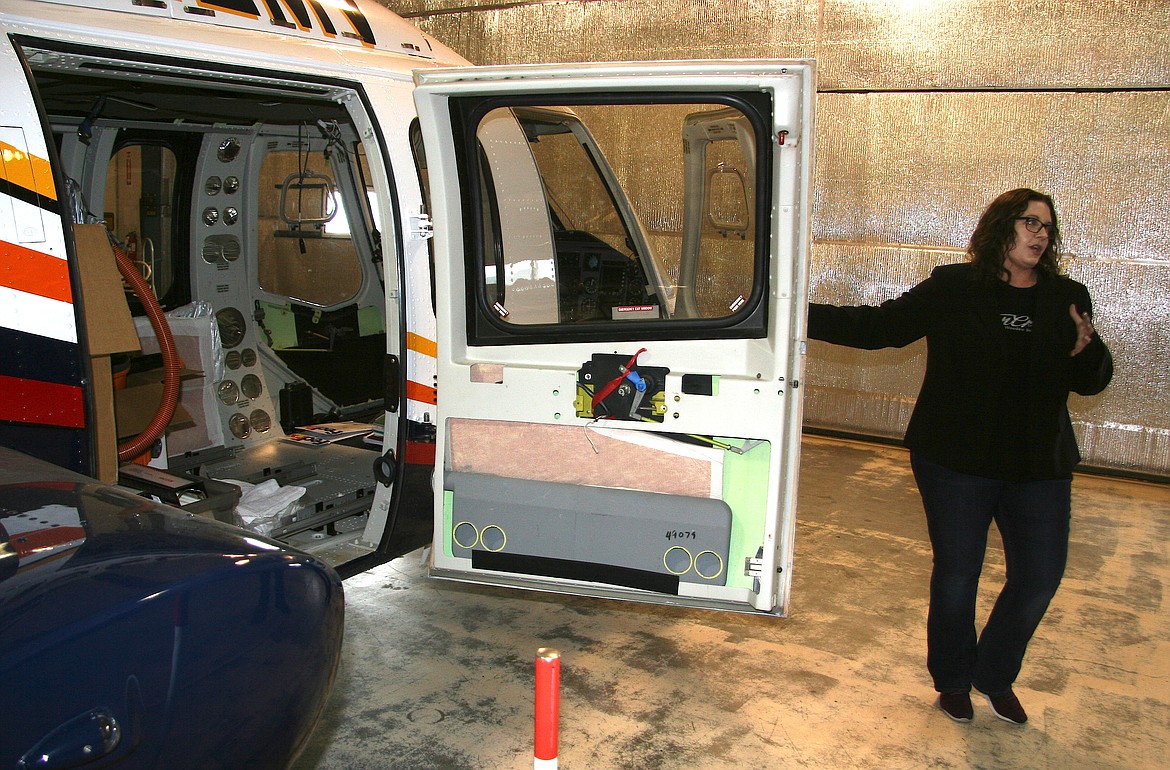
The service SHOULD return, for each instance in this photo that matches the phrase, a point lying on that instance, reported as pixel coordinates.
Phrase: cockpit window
(306, 251)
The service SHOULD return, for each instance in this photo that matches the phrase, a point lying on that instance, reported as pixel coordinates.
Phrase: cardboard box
(109, 328)
(108, 324)
(136, 404)
(197, 342)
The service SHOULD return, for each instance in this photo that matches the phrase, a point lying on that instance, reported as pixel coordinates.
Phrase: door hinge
(421, 227)
(753, 567)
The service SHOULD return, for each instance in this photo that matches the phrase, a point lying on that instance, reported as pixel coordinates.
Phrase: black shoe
(957, 705)
(1007, 707)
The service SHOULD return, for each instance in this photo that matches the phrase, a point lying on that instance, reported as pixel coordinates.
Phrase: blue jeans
(1033, 520)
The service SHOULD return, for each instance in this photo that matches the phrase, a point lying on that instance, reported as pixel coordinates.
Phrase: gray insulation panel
(667, 534)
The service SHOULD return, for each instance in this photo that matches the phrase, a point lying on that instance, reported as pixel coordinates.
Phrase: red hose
(134, 447)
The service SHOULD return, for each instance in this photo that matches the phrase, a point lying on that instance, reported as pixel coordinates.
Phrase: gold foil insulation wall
(928, 109)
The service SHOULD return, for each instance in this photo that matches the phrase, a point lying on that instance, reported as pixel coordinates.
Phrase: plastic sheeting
(927, 111)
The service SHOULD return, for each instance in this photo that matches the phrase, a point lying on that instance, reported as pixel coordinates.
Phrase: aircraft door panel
(640, 441)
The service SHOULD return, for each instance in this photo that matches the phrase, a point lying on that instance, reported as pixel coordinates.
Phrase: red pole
(548, 707)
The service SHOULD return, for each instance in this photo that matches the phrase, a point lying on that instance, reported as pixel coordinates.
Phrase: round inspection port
(492, 538)
(465, 534)
(677, 560)
(708, 565)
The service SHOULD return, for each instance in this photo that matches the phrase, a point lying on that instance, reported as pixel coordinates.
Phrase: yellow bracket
(584, 402)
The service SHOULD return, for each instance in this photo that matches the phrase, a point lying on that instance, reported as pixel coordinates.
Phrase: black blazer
(954, 422)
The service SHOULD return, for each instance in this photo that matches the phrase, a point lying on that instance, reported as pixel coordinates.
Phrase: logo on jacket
(1016, 323)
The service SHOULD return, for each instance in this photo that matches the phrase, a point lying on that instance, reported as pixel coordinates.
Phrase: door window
(601, 219)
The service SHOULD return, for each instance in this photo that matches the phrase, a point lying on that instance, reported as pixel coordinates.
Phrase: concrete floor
(440, 675)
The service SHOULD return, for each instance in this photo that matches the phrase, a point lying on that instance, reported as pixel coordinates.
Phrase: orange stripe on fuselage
(34, 272)
(416, 391)
(420, 344)
(27, 171)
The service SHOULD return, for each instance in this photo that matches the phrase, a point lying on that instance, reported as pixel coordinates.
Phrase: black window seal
(485, 328)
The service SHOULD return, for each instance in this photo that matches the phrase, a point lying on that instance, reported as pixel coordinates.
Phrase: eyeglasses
(1034, 225)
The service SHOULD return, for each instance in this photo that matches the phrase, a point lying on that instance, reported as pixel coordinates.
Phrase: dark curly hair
(995, 234)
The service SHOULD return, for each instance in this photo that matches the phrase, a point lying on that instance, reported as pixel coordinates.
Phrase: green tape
(370, 321)
(448, 507)
(281, 325)
(745, 490)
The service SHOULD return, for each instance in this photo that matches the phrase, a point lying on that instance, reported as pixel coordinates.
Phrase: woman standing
(1008, 337)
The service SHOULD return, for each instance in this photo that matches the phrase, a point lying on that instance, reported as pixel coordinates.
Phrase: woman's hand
(1085, 330)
